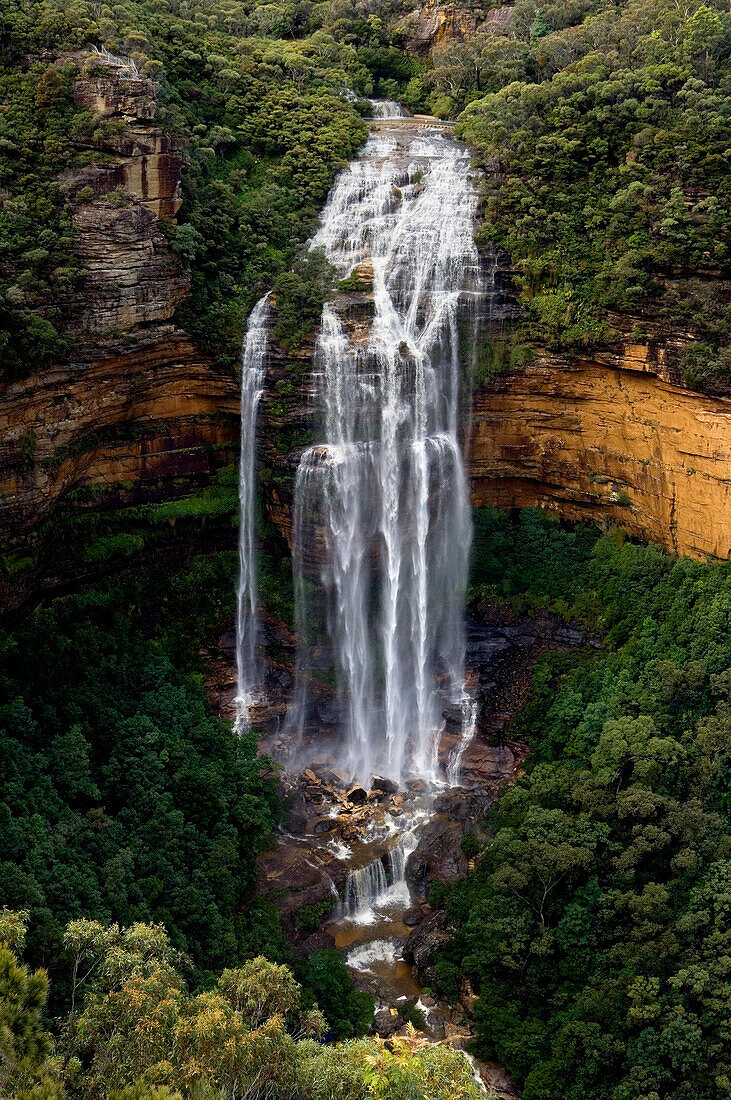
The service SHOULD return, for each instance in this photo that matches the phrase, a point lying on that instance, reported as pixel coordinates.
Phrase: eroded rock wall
(608, 439)
(138, 414)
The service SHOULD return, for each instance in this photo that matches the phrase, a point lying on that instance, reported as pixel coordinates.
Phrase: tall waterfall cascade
(253, 366)
(382, 495)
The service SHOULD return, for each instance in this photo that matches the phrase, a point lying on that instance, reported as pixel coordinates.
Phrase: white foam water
(253, 366)
(386, 108)
(383, 493)
(364, 957)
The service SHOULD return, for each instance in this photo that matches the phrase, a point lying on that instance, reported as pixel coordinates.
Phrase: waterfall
(469, 721)
(383, 496)
(364, 889)
(381, 885)
(253, 361)
(387, 108)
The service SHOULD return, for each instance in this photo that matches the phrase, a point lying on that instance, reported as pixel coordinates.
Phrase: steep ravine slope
(138, 414)
(609, 437)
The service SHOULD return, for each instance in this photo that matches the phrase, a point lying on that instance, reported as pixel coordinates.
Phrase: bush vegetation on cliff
(135, 1032)
(596, 926)
(265, 124)
(604, 138)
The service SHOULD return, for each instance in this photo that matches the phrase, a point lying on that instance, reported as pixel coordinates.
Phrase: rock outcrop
(137, 414)
(144, 161)
(610, 439)
(435, 24)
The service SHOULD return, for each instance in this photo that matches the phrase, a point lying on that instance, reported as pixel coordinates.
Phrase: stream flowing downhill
(253, 364)
(381, 510)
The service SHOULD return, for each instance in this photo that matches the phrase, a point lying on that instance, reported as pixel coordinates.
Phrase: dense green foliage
(326, 976)
(134, 1032)
(122, 796)
(263, 123)
(596, 925)
(605, 143)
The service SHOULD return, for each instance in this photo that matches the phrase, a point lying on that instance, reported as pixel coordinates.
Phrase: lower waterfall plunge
(381, 884)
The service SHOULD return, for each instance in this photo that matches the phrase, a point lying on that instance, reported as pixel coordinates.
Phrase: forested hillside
(136, 960)
(262, 100)
(603, 136)
(605, 145)
(595, 927)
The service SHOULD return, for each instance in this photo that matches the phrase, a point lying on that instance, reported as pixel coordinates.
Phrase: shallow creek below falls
(325, 840)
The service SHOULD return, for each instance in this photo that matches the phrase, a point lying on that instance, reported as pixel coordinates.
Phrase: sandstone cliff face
(608, 439)
(144, 161)
(434, 24)
(155, 413)
(139, 414)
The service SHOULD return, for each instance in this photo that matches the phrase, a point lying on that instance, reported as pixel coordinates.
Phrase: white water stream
(253, 366)
(383, 493)
(381, 517)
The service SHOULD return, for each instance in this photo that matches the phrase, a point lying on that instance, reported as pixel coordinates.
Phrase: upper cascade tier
(387, 108)
(383, 491)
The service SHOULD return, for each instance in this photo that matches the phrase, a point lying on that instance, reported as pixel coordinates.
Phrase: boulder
(357, 794)
(318, 941)
(387, 1023)
(424, 943)
(380, 783)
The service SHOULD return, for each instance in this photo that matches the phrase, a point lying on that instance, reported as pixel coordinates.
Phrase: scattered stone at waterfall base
(328, 836)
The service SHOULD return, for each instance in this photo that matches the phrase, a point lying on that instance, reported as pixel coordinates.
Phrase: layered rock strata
(138, 414)
(608, 439)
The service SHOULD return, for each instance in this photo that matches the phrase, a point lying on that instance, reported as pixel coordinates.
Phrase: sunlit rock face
(146, 162)
(435, 24)
(610, 439)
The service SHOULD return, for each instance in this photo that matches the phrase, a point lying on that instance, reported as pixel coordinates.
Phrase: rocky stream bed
(352, 865)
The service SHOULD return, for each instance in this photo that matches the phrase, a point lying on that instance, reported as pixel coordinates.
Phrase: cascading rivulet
(253, 366)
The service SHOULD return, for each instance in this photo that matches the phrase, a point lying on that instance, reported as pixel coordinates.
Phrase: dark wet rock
(366, 983)
(314, 794)
(324, 825)
(438, 855)
(386, 1023)
(497, 1079)
(329, 712)
(227, 642)
(357, 795)
(485, 765)
(462, 805)
(380, 783)
(457, 1035)
(424, 943)
(318, 941)
(296, 811)
(278, 681)
(413, 916)
(294, 877)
